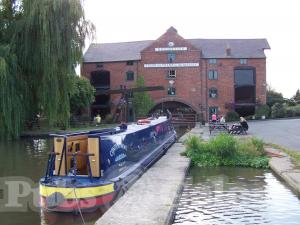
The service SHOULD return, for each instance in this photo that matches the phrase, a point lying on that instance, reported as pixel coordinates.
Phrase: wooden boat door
(94, 149)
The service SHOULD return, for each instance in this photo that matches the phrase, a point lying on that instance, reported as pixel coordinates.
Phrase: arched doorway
(174, 107)
(183, 114)
(101, 81)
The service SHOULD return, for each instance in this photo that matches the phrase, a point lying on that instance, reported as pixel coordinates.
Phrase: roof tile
(211, 48)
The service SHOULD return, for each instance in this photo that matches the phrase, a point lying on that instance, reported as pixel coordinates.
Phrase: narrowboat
(87, 170)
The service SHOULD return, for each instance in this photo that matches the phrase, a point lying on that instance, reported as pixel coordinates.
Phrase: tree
(142, 102)
(278, 110)
(41, 44)
(12, 91)
(296, 97)
(273, 97)
(82, 94)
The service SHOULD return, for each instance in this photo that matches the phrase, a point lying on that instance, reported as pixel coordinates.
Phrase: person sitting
(214, 118)
(222, 120)
(244, 123)
(239, 128)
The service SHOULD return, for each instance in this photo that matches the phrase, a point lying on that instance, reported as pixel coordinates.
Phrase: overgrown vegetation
(225, 150)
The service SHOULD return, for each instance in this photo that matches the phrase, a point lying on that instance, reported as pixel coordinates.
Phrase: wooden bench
(219, 127)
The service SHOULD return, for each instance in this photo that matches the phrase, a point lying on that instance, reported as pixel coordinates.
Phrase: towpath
(151, 199)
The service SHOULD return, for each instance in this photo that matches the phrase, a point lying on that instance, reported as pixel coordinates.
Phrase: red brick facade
(192, 83)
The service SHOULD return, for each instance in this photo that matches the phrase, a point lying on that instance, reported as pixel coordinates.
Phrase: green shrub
(297, 110)
(290, 112)
(251, 147)
(278, 111)
(223, 145)
(232, 116)
(262, 110)
(225, 150)
(259, 145)
(109, 118)
(293, 111)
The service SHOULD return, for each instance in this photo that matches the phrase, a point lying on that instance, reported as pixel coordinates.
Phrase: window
(212, 61)
(213, 110)
(171, 74)
(171, 57)
(171, 91)
(243, 61)
(129, 63)
(129, 75)
(213, 93)
(212, 75)
(244, 77)
(99, 65)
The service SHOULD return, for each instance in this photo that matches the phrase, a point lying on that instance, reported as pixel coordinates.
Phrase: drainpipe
(206, 95)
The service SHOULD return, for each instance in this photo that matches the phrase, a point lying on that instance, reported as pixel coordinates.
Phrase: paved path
(150, 200)
(284, 132)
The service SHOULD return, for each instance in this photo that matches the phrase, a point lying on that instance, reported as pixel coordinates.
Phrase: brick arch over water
(174, 100)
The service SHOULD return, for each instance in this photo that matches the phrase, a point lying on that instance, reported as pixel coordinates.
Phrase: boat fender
(143, 121)
(54, 200)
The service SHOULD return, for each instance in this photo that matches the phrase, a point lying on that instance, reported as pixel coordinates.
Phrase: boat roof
(131, 128)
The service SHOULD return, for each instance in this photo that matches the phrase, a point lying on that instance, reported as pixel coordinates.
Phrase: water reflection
(53, 218)
(25, 157)
(236, 196)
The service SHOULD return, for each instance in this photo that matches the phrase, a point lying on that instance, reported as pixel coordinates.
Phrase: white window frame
(171, 73)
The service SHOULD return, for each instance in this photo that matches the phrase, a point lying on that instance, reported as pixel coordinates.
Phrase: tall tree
(296, 97)
(51, 37)
(82, 95)
(11, 82)
(142, 102)
(273, 97)
(46, 39)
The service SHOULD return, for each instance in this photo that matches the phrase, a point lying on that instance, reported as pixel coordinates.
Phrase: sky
(277, 21)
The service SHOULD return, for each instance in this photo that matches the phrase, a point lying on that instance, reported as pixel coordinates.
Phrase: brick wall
(192, 84)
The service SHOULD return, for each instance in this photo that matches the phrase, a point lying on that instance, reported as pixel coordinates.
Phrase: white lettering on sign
(171, 49)
(164, 65)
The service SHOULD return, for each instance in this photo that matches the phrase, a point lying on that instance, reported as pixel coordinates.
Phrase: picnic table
(219, 127)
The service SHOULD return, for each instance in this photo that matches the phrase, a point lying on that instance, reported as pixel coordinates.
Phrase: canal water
(27, 158)
(236, 196)
(210, 195)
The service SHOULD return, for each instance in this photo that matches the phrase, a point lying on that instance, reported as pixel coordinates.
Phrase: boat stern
(65, 195)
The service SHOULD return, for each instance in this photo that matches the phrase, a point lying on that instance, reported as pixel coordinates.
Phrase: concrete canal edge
(152, 199)
(285, 168)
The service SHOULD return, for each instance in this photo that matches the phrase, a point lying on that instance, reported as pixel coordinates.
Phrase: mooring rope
(78, 206)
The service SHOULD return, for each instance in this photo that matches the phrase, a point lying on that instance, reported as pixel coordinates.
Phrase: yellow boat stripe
(68, 193)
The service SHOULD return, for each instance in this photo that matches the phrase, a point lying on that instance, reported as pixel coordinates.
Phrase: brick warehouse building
(202, 75)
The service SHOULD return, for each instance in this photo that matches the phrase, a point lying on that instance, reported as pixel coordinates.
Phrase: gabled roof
(211, 48)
